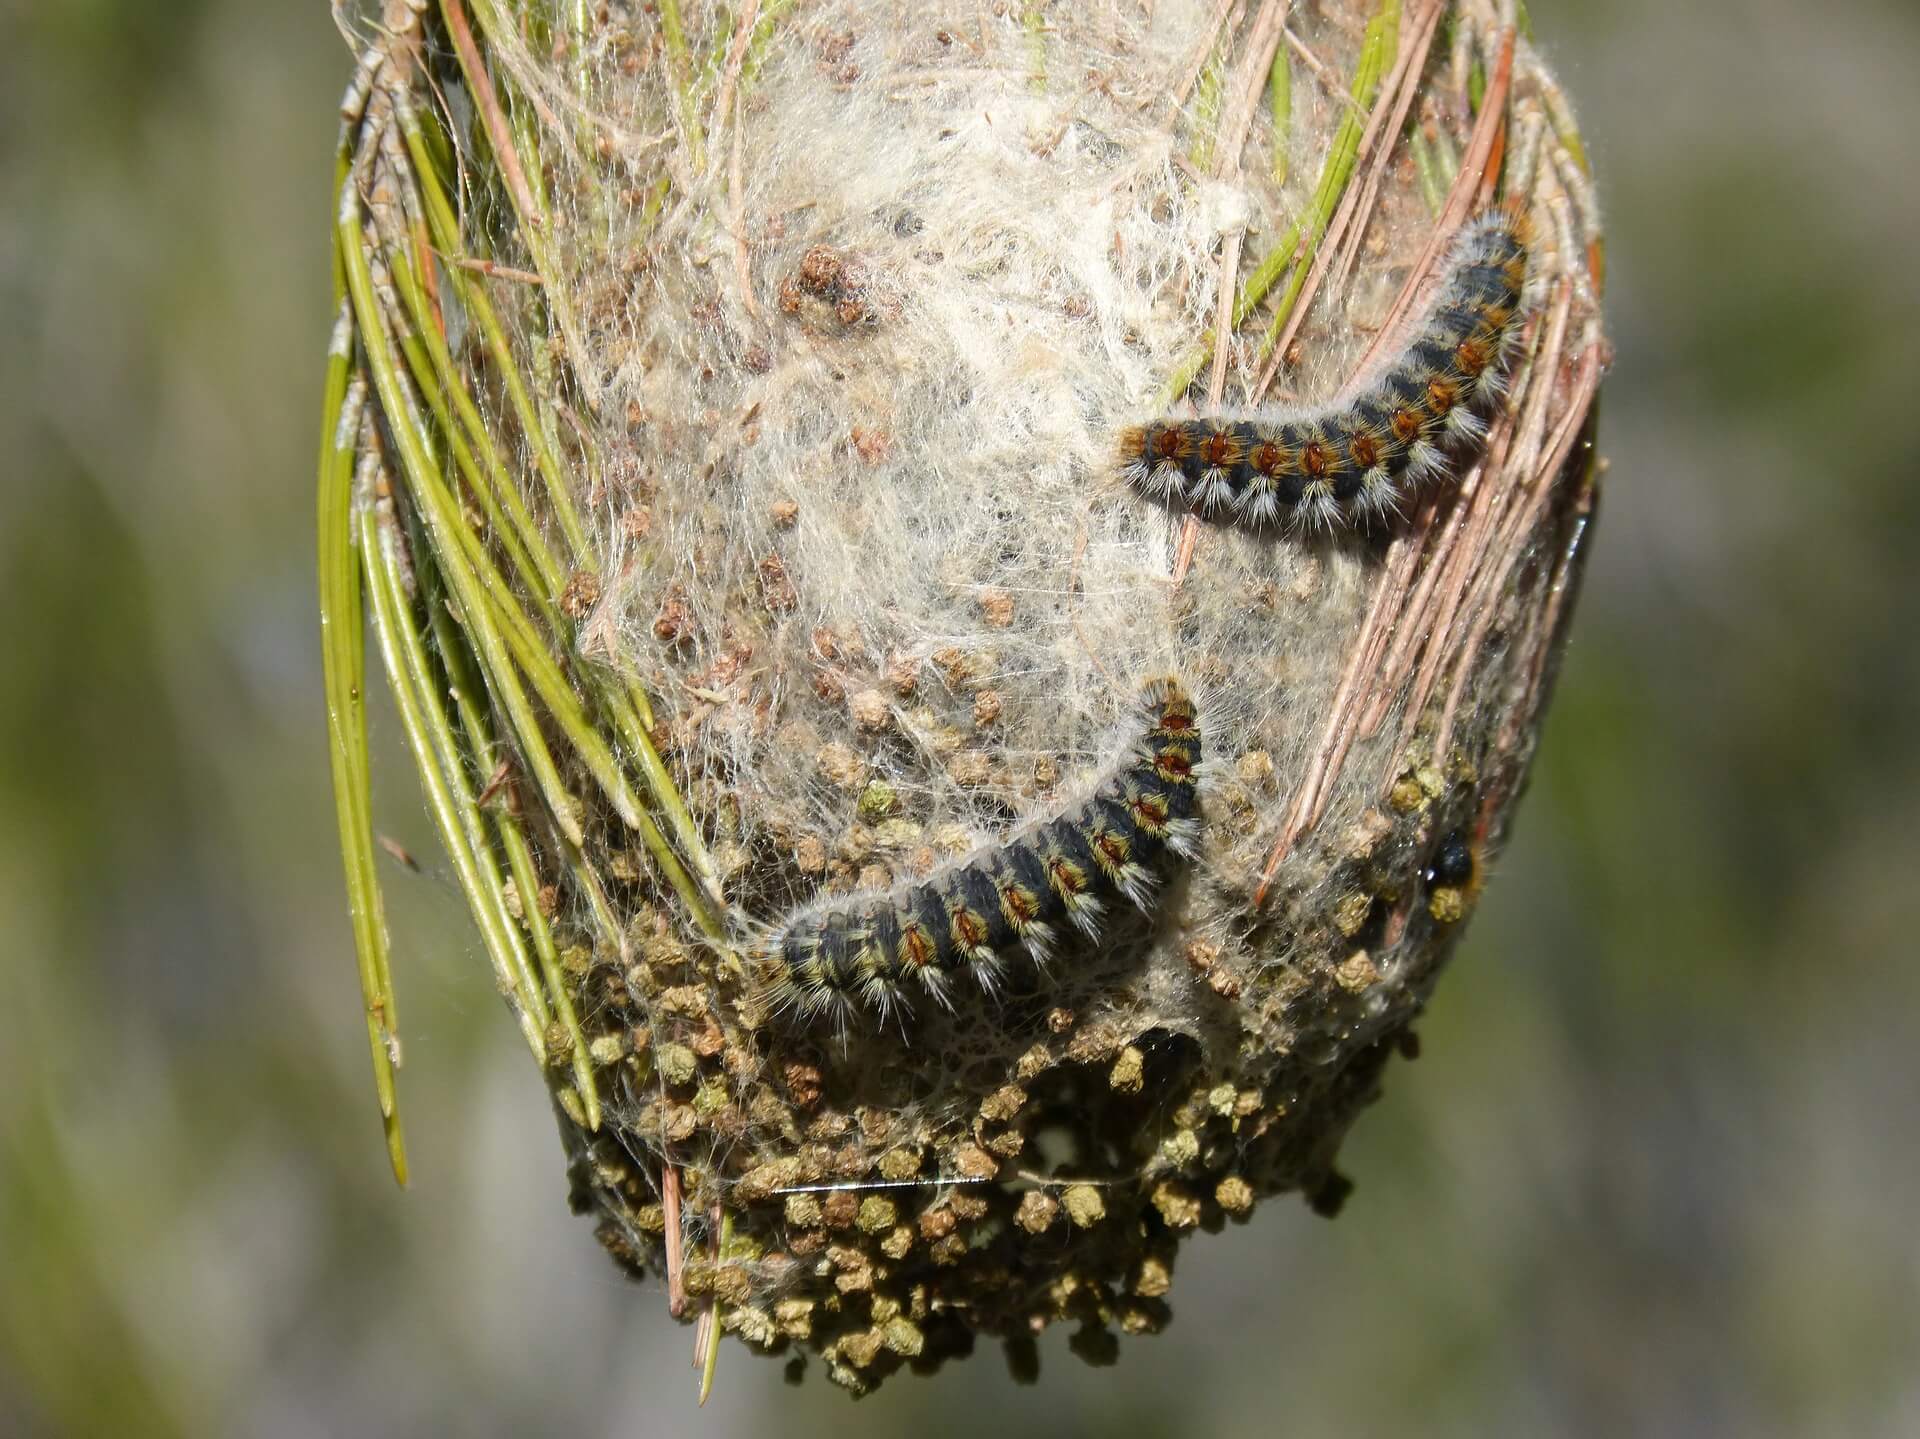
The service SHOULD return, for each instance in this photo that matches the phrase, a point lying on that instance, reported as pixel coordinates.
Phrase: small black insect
(1452, 862)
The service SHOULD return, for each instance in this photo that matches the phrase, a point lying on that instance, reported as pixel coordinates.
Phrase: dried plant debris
(937, 867)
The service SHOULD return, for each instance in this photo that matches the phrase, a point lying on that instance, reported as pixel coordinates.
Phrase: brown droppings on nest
(1350, 912)
(870, 443)
(1153, 1278)
(676, 1064)
(776, 590)
(1407, 795)
(1037, 1212)
(1034, 1063)
(674, 622)
(841, 1208)
(1356, 973)
(957, 666)
(820, 269)
(838, 279)
(581, 594)
(973, 1162)
(1084, 1205)
(1234, 1195)
(876, 1215)
(996, 607)
(972, 768)
(1255, 770)
(870, 710)
(1225, 983)
(828, 685)
(903, 675)
(1003, 1105)
(1176, 1204)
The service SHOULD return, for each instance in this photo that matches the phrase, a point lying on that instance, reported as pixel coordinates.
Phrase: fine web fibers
(888, 452)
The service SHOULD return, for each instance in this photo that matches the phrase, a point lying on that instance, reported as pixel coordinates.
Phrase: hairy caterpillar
(1359, 456)
(1048, 883)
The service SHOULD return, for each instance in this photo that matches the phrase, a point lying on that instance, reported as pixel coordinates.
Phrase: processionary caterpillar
(1049, 885)
(1360, 456)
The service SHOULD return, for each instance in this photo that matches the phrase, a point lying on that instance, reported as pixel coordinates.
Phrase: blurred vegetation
(1654, 1173)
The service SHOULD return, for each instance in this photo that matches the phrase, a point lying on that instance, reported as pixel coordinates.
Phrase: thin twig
(1459, 200)
(736, 58)
(1209, 36)
(1560, 591)
(1236, 122)
(1336, 735)
(706, 1353)
(1328, 80)
(1393, 671)
(491, 115)
(1421, 30)
(1393, 97)
(1524, 518)
(737, 202)
(1504, 455)
(675, 1243)
(494, 270)
(1236, 119)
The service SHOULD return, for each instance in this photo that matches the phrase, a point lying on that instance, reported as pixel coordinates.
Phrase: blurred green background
(1657, 1172)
